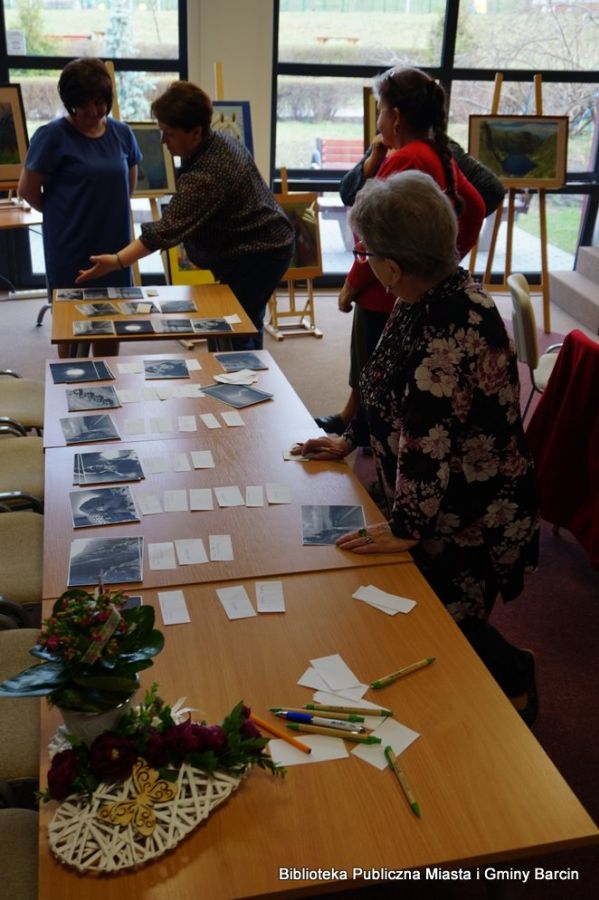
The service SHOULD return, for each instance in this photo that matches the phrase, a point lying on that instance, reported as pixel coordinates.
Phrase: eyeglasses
(361, 255)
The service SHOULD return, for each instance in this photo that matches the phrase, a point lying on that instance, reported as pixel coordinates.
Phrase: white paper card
(200, 499)
(323, 748)
(232, 419)
(173, 607)
(278, 493)
(163, 392)
(162, 556)
(209, 420)
(193, 365)
(144, 309)
(391, 603)
(229, 496)
(335, 672)
(130, 368)
(254, 495)
(161, 425)
(175, 501)
(187, 423)
(188, 391)
(393, 734)
(243, 376)
(233, 319)
(269, 597)
(236, 602)
(181, 462)
(202, 459)
(221, 547)
(149, 393)
(155, 465)
(128, 396)
(134, 426)
(190, 551)
(149, 504)
(312, 679)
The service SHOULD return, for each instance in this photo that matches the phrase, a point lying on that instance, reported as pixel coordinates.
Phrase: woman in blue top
(79, 172)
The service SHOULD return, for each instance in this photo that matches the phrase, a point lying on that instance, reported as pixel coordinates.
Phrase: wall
(238, 34)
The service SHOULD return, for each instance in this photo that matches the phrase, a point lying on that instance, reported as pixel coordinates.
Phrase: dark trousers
(253, 280)
(510, 667)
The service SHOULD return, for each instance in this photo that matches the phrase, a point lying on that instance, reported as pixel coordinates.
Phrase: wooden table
(212, 300)
(487, 790)
(284, 414)
(17, 216)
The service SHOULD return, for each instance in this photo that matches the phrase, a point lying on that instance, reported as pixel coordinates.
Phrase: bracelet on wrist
(119, 262)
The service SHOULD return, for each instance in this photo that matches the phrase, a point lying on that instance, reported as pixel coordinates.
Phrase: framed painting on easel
(181, 270)
(523, 151)
(13, 134)
(156, 172)
(302, 212)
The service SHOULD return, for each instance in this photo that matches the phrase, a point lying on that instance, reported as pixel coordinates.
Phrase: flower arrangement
(150, 731)
(92, 647)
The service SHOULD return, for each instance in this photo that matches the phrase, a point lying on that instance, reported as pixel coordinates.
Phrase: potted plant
(92, 648)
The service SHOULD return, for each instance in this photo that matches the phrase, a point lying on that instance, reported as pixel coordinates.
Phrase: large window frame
(581, 183)
(14, 244)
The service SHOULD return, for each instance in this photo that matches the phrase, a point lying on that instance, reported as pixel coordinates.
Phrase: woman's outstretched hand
(323, 448)
(102, 265)
(374, 539)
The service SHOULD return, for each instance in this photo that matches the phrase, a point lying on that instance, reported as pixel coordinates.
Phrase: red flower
(249, 730)
(155, 751)
(112, 756)
(180, 740)
(213, 737)
(63, 772)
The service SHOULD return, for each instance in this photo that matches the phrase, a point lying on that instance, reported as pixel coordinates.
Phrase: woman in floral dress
(440, 406)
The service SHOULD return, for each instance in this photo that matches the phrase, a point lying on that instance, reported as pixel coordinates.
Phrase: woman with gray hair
(440, 407)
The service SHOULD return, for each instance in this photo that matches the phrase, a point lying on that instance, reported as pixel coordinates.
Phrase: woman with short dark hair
(223, 212)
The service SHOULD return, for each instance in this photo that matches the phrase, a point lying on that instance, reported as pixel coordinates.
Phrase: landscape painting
(523, 151)
(302, 212)
(156, 172)
(13, 134)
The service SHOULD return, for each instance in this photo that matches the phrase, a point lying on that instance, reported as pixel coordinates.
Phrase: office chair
(21, 401)
(18, 852)
(19, 722)
(21, 463)
(526, 338)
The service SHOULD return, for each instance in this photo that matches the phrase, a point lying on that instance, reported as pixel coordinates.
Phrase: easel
(544, 284)
(304, 317)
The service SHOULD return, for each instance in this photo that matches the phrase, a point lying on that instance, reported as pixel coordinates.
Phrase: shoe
(529, 710)
(331, 424)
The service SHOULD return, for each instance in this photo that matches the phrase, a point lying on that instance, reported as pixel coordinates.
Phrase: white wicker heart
(128, 824)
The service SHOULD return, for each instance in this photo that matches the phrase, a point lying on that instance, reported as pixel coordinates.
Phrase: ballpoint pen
(310, 719)
(324, 708)
(389, 679)
(394, 765)
(346, 717)
(336, 732)
(280, 733)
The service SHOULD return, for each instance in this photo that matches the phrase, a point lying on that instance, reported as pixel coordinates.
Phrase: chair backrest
(524, 323)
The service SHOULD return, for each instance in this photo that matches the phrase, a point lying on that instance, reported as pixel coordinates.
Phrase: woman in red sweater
(412, 125)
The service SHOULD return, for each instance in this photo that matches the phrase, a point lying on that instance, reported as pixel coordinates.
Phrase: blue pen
(309, 719)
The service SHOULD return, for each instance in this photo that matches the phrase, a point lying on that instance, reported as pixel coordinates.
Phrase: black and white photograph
(325, 524)
(102, 506)
(165, 368)
(237, 360)
(95, 294)
(174, 326)
(141, 308)
(69, 294)
(92, 328)
(177, 306)
(111, 560)
(237, 395)
(84, 429)
(206, 326)
(99, 397)
(106, 466)
(101, 308)
(139, 326)
(82, 370)
(126, 293)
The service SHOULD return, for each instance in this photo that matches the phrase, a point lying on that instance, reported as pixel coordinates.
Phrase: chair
(21, 535)
(22, 465)
(21, 400)
(526, 337)
(19, 717)
(18, 852)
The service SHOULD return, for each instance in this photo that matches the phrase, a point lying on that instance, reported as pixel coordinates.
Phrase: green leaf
(35, 681)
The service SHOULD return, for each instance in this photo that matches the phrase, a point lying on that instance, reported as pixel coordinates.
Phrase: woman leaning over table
(80, 171)
(222, 211)
(440, 405)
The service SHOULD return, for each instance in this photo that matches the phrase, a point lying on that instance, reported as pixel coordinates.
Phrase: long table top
(213, 301)
(487, 791)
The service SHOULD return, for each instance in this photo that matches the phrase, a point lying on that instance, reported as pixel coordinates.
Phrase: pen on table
(394, 765)
(389, 679)
(346, 717)
(309, 719)
(280, 733)
(336, 732)
(324, 708)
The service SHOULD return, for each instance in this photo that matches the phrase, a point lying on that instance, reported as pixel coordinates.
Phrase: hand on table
(374, 539)
(322, 448)
(103, 265)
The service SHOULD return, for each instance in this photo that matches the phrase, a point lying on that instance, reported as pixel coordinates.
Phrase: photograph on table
(126, 293)
(13, 134)
(140, 326)
(105, 466)
(523, 151)
(233, 118)
(236, 360)
(302, 212)
(156, 172)
(92, 328)
(174, 326)
(208, 326)
(84, 370)
(325, 524)
(98, 309)
(99, 397)
(177, 306)
(181, 270)
(237, 395)
(143, 308)
(102, 506)
(86, 429)
(109, 560)
(165, 368)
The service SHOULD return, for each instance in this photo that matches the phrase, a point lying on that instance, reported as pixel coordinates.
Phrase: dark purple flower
(112, 756)
(63, 772)
(181, 740)
(246, 711)
(249, 730)
(155, 751)
(213, 738)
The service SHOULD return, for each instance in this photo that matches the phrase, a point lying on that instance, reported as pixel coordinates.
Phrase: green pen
(394, 765)
(346, 717)
(335, 732)
(389, 679)
(356, 710)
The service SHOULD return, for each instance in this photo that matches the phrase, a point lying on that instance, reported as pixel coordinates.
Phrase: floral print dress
(440, 398)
